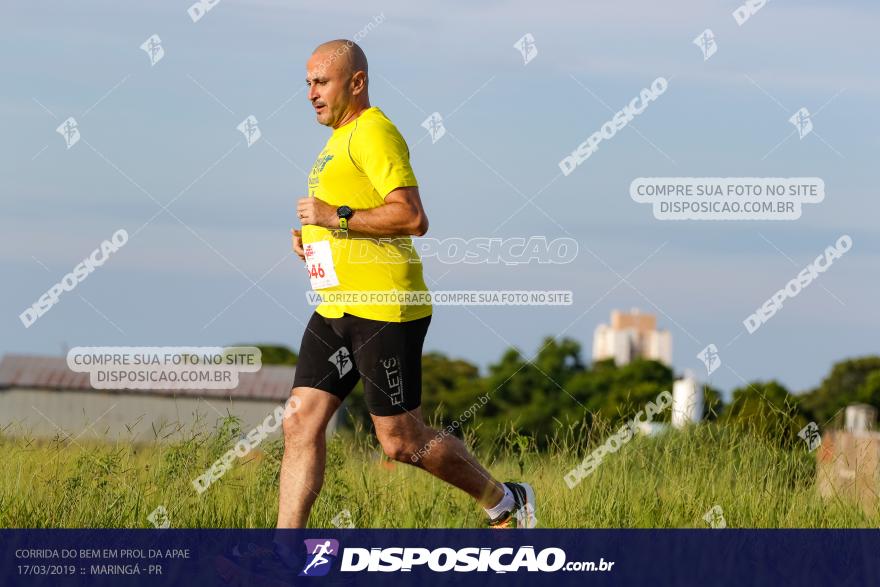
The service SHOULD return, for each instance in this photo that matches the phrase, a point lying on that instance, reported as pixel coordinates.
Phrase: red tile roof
(271, 382)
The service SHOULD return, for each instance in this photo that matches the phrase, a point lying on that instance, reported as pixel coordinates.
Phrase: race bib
(319, 264)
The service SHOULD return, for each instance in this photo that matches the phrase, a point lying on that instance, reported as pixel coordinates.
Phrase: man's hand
(318, 212)
(296, 236)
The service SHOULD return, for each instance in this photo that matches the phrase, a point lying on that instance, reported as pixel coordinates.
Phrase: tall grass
(670, 480)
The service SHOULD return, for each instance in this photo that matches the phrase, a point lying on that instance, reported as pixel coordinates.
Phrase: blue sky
(169, 131)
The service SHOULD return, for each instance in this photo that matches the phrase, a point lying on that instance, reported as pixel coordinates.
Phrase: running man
(357, 221)
(320, 559)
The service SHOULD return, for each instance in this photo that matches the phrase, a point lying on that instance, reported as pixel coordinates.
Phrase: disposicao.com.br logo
(322, 552)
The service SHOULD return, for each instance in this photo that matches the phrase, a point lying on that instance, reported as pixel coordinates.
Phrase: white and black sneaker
(523, 513)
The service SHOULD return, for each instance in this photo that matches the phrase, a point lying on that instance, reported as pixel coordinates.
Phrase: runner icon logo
(706, 42)
(69, 129)
(153, 48)
(434, 125)
(321, 553)
(342, 360)
(710, 358)
(526, 46)
(250, 128)
(802, 121)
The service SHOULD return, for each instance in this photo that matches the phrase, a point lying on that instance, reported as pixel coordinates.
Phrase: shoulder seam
(351, 136)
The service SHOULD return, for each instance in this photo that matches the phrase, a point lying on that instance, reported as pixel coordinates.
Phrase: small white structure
(687, 402)
(859, 418)
(652, 428)
(631, 336)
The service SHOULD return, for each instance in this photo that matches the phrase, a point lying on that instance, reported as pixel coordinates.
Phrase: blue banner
(440, 557)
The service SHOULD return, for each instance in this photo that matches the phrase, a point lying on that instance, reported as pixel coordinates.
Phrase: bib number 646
(319, 265)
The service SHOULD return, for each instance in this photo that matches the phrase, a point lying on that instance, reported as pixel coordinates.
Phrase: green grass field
(667, 481)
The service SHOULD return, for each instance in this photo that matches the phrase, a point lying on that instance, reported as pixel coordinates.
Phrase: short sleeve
(379, 150)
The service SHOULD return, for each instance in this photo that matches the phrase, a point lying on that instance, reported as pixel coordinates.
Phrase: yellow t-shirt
(362, 162)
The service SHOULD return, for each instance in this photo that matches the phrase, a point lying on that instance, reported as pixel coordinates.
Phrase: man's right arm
(402, 214)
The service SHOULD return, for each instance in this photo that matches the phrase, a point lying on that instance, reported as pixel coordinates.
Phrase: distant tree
(531, 393)
(555, 387)
(617, 393)
(449, 386)
(843, 386)
(273, 354)
(869, 391)
(768, 409)
(559, 360)
(642, 371)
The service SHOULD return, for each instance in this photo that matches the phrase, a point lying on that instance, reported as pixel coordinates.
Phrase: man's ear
(358, 82)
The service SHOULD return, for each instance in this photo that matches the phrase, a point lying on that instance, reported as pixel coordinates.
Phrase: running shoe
(523, 513)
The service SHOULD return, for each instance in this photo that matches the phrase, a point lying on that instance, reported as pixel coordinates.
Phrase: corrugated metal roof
(271, 382)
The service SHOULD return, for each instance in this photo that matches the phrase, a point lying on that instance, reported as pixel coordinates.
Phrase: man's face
(329, 86)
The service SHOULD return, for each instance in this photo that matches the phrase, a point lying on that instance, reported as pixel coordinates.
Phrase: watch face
(344, 212)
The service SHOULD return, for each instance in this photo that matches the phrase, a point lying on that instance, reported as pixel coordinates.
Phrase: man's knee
(400, 448)
(296, 428)
(306, 424)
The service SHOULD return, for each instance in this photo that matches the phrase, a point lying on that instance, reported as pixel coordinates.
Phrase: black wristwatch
(344, 213)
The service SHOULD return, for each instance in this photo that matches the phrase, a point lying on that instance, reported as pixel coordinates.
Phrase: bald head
(348, 54)
(336, 74)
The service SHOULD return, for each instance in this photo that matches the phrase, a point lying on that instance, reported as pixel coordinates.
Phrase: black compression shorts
(336, 352)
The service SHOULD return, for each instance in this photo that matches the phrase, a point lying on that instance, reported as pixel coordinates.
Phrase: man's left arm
(402, 214)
